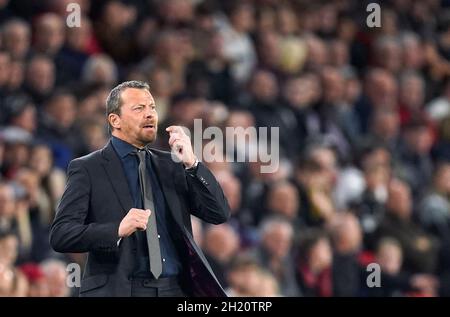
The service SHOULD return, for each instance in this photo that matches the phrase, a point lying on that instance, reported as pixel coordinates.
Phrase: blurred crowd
(363, 116)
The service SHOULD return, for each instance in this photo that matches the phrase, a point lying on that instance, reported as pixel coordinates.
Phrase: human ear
(114, 120)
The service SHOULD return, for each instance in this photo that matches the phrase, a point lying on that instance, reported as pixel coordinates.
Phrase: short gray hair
(114, 102)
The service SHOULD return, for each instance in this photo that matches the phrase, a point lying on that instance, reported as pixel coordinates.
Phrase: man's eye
(138, 108)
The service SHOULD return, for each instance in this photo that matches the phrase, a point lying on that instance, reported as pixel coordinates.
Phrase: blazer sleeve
(69, 231)
(206, 197)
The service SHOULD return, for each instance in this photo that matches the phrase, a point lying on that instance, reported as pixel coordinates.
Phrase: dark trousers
(162, 287)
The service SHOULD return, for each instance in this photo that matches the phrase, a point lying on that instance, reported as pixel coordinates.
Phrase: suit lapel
(116, 175)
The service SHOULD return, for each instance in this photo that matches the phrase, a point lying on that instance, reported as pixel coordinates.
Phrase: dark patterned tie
(152, 230)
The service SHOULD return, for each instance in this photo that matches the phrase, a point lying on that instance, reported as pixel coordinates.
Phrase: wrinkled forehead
(132, 96)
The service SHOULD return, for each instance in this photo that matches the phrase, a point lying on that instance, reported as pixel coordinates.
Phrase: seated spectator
(221, 244)
(346, 238)
(315, 177)
(244, 278)
(16, 34)
(19, 111)
(394, 281)
(51, 179)
(434, 210)
(274, 253)
(314, 265)
(283, 201)
(49, 34)
(56, 275)
(420, 250)
(40, 78)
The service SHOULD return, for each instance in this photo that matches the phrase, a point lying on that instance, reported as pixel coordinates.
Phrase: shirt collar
(122, 147)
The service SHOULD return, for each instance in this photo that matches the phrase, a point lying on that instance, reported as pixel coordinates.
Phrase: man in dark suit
(112, 195)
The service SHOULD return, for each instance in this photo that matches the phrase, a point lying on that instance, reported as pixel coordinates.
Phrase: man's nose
(149, 112)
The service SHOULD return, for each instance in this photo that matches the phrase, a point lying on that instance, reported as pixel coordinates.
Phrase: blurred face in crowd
(55, 275)
(240, 119)
(419, 139)
(333, 85)
(62, 109)
(16, 75)
(442, 179)
(269, 49)
(26, 119)
(386, 124)
(328, 18)
(381, 88)
(389, 56)
(320, 256)
(8, 250)
(41, 74)
(186, 111)
(277, 240)
(399, 199)
(4, 68)
(390, 257)
(377, 178)
(268, 285)
(231, 187)
(245, 280)
(413, 54)
(7, 201)
(41, 160)
(266, 20)
(287, 20)
(17, 154)
(117, 15)
(377, 170)
(283, 199)
(347, 234)
(317, 52)
(49, 33)
(339, 55)
(29, 179)
(352, 90)
(242, 18)
(161, 83)
(95, 137)
(326, 159)
(302, 91)
(264, 86)
(221, 242)
(389, 22)
(100, 69)
(78, 38)
(174, 11)
(138, 120)
(412, 92)
(16, 39)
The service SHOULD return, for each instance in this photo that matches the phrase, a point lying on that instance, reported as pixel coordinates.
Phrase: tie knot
(140, 153)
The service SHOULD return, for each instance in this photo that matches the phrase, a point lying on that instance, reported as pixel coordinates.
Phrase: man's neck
(125, 139)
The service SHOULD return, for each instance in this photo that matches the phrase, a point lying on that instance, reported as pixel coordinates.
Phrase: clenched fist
(136, 219)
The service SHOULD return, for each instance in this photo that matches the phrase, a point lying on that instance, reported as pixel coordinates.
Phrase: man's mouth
(149, 126)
